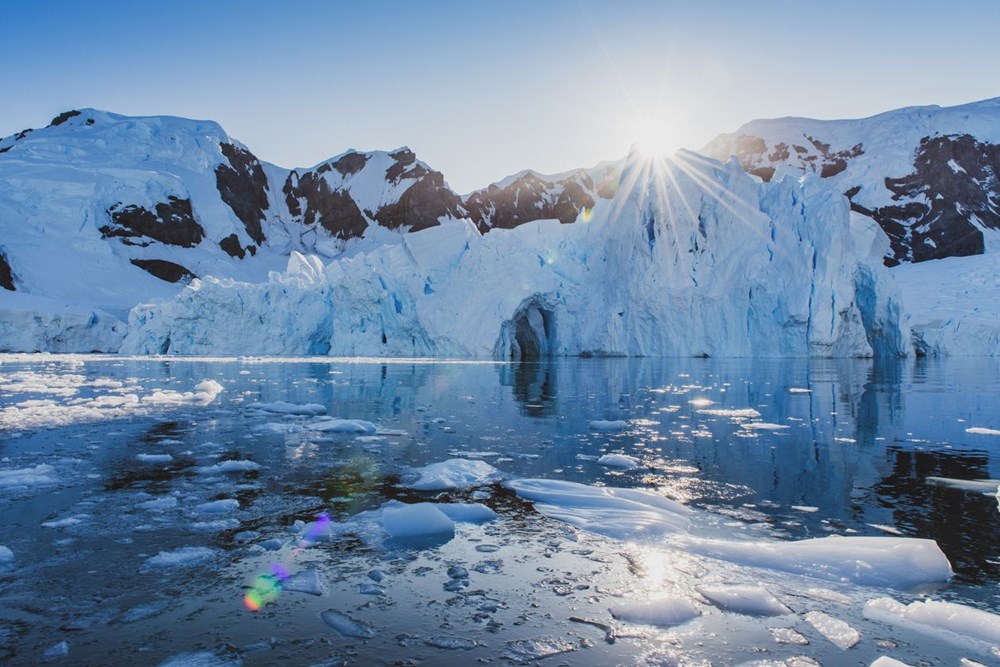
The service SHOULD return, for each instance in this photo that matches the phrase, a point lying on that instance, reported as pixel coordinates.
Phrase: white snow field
(651, 274)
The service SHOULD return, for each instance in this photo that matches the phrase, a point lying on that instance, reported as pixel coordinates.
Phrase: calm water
(854, 459)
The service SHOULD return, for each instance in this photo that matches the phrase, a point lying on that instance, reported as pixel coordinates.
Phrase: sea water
(350, 511)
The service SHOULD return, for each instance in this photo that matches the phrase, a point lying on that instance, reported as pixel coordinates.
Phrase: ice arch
(529, 334)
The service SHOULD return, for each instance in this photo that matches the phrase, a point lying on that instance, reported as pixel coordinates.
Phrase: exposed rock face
(927, 175)
(63, 117)
(242, 184)
(334, 210)
(424, 202)
(531, 197)
(172, 223)
(6, 275)
(164, 270)
(231, 244)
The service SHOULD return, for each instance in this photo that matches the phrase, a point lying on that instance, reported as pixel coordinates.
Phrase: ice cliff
(691, 257)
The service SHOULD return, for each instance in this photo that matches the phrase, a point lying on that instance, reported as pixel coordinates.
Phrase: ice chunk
(900, 562)
(403, 521)
(468, 512)
(60, 650)
(451, 642)
(346, 625)
(741, 413)
(529, 650)
(39, 475)
(619, 461)
(834, 629)
(6, 555)
(750, 600)
(608, 425)
(204, 393)
(343, 426)
(182, 557)
(886, 661)
(223, 506)
(979, 430)
(986, 486)
(155, 458)
(68, 521)
(947, 620)
(281, 407)
(201, 659)
(665, 612)
(228, 466)
(163, 503)
(454, 474)
(306, 581)
(614, 512)
(788, 636)
(216, 525)
(763, 426)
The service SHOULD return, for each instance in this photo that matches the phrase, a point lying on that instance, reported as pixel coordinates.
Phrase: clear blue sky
(480, 89)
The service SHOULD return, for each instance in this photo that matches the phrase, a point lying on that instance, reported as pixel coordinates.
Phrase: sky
(482, 89)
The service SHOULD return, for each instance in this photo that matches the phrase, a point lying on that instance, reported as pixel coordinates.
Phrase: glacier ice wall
(691, 258)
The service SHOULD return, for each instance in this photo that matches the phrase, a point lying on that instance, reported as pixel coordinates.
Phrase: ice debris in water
(467, 512)
(619, 461)
(665, 612)
(454, 474)
(451, 642)
(608, 425)
(750, 600)
(201, 659)
(401, 520)
(60, 650)
(886, 661)
(947, 620)
(331, 425)
(157, 504)
(6, 555)
(529, 650)
(741, 413)
(228, 466)
(223, 506)
(204, 393)
(182, 557)
(834, 629)
(283, 408)
(155, 458)
(788, 636)
(39, 475)
(307, 581)
(346, 625)
(985, 486)
(979, 430)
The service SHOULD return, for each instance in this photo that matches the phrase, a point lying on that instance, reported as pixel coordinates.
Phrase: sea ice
(741, 413)
(454, 474)
(985, 486)
(281, 407)
(223, 506)
(740, 599)
(665, 612)
(182, 557)
(403, 521)
(6, 555)
(306, 581)
(203, 394)
(162, 503)
(788, 636)
(529, 650)
(331, 425)
(834, 629)
(39, 475)
(467, 512)
(886, 661)
(947, 620)
(619, 461)
(978, 430)
(228, 466)
(200, 659)
(347, 626)
(155, 458)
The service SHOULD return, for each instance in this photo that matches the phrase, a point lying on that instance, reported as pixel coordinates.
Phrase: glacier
(691, 257)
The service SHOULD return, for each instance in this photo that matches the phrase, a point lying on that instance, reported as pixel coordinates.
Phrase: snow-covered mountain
(929, 176)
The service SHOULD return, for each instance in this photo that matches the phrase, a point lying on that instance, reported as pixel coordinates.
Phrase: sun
(655, 139)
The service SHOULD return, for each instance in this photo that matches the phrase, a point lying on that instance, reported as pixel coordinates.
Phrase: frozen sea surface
(314, 511)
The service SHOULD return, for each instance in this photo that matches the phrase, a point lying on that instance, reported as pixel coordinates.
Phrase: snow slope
(690, 257)
(928, 175)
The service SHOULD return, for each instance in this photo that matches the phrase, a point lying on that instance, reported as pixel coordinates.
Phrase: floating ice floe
(619, 461)
(331, 425)
(978, 430)
(949, 621)
(201, 659)
(467, 512)
(284, 408)
(834, 629)
(182, 557)
(154, 458)
(228, 466)
(204, 393)
(454, 474)
(984, 486)
(741, 599)
(763, 426)
(526, 651)
(67, 522)
(306, 581)
(347, 626)
(608, 425)
(740, 413)
(223, 506)
(157, 504)
(6, 555)
(633, 514)
(404, 521)
(886, 661)
(664, 612)
(39, 475)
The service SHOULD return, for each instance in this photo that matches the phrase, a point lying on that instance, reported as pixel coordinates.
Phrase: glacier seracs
(692, 257)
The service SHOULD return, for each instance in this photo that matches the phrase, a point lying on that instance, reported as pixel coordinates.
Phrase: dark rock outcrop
(242, 184)
(231, 245)
(63, 117)
(164, 270)
(334, 210)
(424, 202)
(813, 155)
(6, 275)
(530, 197)
(172, 223)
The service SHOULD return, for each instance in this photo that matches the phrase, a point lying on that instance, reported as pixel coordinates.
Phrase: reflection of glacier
(691, 258)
